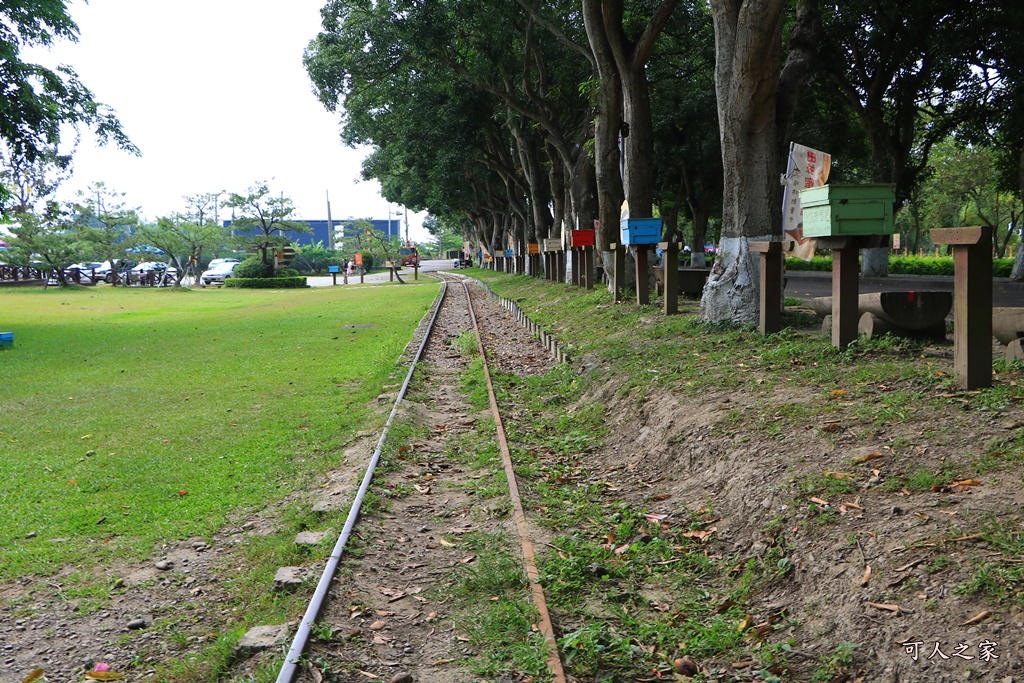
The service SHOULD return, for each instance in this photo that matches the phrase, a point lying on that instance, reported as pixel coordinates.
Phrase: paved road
(377, 278)
(807, 285)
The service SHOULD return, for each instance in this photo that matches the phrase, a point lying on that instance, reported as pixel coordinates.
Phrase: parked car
(84, 270)
(124, 269)
(155, 272)
(219, 273)
(218, 261)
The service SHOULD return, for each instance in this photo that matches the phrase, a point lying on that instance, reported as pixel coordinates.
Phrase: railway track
(384, 607)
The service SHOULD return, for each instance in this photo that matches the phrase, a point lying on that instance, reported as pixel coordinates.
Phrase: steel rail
(529, 559)
(312, 612)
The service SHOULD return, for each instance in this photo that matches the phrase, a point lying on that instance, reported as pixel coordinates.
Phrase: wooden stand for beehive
(670, 268)
(845, 285)
(972, 303)
(771, 285)
(618, 272)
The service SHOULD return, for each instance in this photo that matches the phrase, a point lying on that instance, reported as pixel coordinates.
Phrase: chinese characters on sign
(919, 649)
(806, 168)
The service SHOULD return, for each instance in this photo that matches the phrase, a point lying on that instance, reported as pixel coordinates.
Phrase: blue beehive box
(640, 230)
(6, 339)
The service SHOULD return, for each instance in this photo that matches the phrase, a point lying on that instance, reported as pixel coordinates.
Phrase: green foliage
(253, 267)
(259, 215)
(369, 260)
(265, 282)
(904, 265)
(286, 272)
(37, 102)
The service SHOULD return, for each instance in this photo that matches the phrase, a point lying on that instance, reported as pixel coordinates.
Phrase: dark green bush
(265, 282)
(253, 267)
(286, 272)
(369, 262)
(904, 265)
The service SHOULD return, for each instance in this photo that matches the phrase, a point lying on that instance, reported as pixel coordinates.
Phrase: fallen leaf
(967, 482)
(103, 676)
(866, 458)
(35, 675)
(654, 517)
(867, 576)
(745, 623)
(831, 427)
(448, 544)
(367, 674)
(819, 501)
(846, 506)
(621, 549)
(383, 613)
(895, 609)
(699, 534)
(467, 560)
(838, 392)
(443, 661)
(909, 565)
(661, 496)
(978, 618)
(837, 475)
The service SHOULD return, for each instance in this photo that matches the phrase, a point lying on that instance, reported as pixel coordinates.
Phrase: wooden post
(643, 287)
(416, 271)
(574, 263)
(391, 273)
(588, 267)
(618, 272)
(771, 285)
(670, 270)
(972, 303)
(560, 266)
(334, 278)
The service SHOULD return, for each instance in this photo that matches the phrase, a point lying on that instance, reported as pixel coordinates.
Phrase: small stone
(402, 678)
(136, 624)
(897, 510)
(263, 638)
(164, 565)
(30, 534)
(288, 578)
(310, 537)
(90, 453)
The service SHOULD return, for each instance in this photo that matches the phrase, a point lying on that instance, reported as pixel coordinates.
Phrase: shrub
(368, 260)
(253, 267)
(286, 272)
(265, 282)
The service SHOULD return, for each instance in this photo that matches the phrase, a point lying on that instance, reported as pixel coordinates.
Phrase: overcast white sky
(214, 94)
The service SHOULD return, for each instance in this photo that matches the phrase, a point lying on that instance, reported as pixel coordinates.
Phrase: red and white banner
(806, 168)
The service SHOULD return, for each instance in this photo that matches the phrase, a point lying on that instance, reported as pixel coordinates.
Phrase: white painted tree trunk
(733, 290)
(875, 262)
(1017, 273)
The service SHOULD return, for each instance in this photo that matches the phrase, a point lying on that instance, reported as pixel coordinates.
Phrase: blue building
(346, 227)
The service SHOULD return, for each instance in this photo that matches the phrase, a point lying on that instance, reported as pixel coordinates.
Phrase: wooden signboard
(533, 248)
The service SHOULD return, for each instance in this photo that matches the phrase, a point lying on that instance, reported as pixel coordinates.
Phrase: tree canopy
(36, 102)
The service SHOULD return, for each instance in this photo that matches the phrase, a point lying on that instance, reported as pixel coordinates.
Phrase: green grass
(134, 417)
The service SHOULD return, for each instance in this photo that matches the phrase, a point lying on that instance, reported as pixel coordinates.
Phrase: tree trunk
(748, 40)
(606, 129)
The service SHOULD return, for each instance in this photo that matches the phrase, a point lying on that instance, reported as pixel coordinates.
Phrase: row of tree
(514, 119)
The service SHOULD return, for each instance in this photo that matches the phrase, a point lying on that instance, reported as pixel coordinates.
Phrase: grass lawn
(130, 417)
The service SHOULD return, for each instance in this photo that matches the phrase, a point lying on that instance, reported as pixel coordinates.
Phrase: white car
(218, 273)
(219, 261)
(153, 271)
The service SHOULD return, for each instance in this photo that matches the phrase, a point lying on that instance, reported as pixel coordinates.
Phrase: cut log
(1007, 324)
(907, 310)
(871, 326)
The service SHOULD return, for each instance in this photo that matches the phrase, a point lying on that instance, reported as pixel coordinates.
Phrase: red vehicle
(409, 255)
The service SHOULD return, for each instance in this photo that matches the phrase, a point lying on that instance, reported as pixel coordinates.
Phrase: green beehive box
(837, 210)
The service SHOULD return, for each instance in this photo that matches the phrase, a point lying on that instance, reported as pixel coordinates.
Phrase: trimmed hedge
(904, 265)
(265, 282)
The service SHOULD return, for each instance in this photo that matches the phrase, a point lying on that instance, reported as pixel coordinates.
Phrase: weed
(834, 663)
